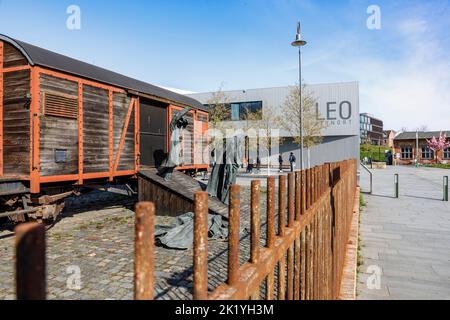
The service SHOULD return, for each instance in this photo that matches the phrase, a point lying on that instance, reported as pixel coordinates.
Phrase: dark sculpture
(225, 170)
(173, 160)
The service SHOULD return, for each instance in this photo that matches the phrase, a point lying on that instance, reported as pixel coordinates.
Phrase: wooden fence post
(201, 246)
(144, 251)
(255, 227)
(233, 235)
(270, 232)
(282, 233)
(281, 206)
(255, 221)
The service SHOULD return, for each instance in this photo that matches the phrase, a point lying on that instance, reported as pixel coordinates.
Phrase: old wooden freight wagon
(65, 123)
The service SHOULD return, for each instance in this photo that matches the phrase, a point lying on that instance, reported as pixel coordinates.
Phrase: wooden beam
(124, 133)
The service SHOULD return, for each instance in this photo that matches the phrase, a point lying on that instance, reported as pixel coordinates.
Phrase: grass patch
(362, 203)
(439, 166)
(360, 257)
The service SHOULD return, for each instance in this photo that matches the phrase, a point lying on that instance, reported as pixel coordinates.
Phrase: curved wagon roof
(45, 58)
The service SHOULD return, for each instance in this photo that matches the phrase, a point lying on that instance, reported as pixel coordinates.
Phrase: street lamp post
(299, 42)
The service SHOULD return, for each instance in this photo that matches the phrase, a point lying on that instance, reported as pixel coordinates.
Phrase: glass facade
(239, 111)
(371, 129)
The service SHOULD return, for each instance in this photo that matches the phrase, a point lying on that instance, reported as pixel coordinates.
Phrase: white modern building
(337, 105)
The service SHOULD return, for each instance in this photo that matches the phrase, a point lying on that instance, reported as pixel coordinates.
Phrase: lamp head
(299, 42)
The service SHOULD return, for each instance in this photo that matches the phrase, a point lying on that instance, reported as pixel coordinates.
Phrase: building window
(447, 154)
(235, 111)
(246, 108)
(427, 153)
(407, 153)
(238, 111)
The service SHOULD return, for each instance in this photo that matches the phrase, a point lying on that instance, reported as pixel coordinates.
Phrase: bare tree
(290, 118)
(422, 128)
(218, 109)
(264, 125)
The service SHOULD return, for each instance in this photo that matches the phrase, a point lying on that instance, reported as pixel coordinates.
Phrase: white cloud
(408, 85)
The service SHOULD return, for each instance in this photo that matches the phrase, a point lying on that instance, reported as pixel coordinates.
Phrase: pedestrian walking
(280, 161)
(292, 161)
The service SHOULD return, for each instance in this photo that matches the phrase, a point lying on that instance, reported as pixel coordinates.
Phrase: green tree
(290, 119)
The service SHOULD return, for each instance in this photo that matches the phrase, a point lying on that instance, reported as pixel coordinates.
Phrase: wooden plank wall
(188, 141)
(120, 108)
(12, 57)
(201, 140)
(16, 121)
(167, 203)
(58, 132)
(95, 130)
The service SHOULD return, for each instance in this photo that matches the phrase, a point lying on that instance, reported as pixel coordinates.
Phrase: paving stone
(101, 244)
(410, 235)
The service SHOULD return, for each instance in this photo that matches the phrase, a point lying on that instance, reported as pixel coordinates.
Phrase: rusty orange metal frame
(131, 106)
(1, 108)
(14, 69)
(111, 135)
(86, 176)
(80, 134)
(34, 131)
(35, 178)
(136, 134)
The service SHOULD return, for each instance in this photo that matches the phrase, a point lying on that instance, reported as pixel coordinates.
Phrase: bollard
(446, 188)
(396, 185)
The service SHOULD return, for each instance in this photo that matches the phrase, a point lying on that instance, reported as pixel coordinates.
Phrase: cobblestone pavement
(101, 244)
(405, 242)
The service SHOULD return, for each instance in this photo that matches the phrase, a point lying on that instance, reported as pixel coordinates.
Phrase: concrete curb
(349, 276)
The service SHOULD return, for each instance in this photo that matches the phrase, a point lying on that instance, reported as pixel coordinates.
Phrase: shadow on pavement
(419, 197)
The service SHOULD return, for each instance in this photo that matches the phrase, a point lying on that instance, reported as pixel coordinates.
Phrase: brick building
(388, 138)
(405, 144)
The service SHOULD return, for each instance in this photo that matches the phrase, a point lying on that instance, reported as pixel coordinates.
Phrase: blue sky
(403, 69)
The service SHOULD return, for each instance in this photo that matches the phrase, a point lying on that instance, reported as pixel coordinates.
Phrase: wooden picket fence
(304, 254)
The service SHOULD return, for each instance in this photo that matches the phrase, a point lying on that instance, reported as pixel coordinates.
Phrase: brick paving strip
(349, 278)
(101, 244)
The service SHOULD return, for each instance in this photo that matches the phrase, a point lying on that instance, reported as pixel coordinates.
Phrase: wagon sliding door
(153, 132)
(96, 155)
(58, 126)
